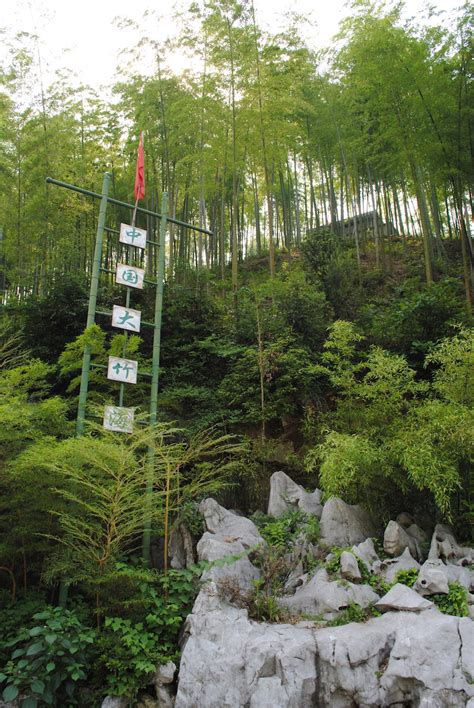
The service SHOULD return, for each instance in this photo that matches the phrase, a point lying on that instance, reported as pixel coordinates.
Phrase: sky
(85, 38)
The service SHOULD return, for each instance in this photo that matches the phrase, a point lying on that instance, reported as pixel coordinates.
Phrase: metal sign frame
(92, 311)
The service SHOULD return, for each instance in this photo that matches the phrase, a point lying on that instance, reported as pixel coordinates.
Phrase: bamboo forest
(305, 360)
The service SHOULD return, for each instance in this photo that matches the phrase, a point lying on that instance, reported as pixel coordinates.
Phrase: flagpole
(134, 213)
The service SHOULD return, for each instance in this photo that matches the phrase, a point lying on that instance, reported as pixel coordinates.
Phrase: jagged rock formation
(401, 658)
(411, 655)
(286, 495)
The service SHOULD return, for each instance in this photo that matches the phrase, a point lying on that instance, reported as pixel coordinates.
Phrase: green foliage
(263, 604)
(353, 613)
(29, 420)
(49, 660)
(333, 567)
(413, 322)
(15, 614)
(282, 531)
(454, 358)
(346, 462)
(190, 515)
(264, 607)
(454, 603)
(146, 632)
(51, 321)
(390, 431)
(128, 654)
(406, 577)
(318, 250)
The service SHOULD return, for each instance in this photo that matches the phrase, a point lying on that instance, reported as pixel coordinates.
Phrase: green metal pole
(155, 372)
(86, 360)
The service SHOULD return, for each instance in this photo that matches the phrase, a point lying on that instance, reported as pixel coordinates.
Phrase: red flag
(140, 172)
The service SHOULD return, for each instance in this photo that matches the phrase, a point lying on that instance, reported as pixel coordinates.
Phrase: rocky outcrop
(344, 524)
(396, 539)
(406, 658)
(321, 596)
(180, 549)
(286, 495)
(229, 536)
(401, 597)
(162, 682)
(241, 572)
(389, 567)
(366, 552)
(349, 566)
(445, 547)
(229, 526)
(410, 655)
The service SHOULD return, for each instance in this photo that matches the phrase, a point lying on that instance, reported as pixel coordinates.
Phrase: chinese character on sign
(124, 370)
(126, 318)
(118, 419)
(132, 236)
(129, 275)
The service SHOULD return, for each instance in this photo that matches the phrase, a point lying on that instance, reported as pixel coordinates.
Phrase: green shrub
(406, 577)
(333, 566)
(454, 603)
(130, 647)
(129, 654)
(49, 661)
(353, 613)
(282, 531)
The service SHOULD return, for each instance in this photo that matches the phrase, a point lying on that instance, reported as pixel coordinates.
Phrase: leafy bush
(414, 321)
(333, 567)
(129, 654)
(454, 603)
(130, 647)
(353, 613)
(406, 577)
(49, 660)
(282, 531)
(15, 615)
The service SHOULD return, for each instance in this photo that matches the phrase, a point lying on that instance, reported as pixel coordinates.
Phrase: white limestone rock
(366, 552)
(228, 660)
(432, 578)
(180, 549)
(211, 547)
(286, 495)
(402, 598)
(344, 524)
(400, 658)
(321, 596)
(460, 574)
(445, 547)
(388, 568)
(162, 680)
(349, 566)
(396, 539)
(229, 526)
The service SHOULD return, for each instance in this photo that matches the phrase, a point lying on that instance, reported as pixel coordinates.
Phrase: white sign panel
(132, 236)
(118, 419)
(129, 275)
(124, 370)
(126, 318)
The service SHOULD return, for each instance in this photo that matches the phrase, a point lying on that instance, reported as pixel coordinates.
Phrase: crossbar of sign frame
(123, 370)
(126, 318)
(119, 419)
(131, 276)
(132, 236)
